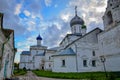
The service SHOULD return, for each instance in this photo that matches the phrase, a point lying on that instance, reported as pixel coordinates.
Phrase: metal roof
(25, 53)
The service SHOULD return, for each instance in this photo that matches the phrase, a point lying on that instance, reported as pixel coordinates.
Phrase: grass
(85, 75)
(19, 72)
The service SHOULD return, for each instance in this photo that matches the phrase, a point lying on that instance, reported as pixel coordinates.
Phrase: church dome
(39, 37)
(76, 20)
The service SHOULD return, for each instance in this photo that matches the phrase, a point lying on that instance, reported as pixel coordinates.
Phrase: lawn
(19, 72)
(85, 75)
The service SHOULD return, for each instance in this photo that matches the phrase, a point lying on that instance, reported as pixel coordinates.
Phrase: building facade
(85, 52)
(7, 51)
(39, 57)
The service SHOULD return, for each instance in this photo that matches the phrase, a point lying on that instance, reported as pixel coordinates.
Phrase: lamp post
(103, 59)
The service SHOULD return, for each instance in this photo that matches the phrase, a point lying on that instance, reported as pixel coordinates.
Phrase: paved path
(32, 76)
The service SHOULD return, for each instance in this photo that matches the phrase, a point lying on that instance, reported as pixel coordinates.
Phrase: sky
(49, 18)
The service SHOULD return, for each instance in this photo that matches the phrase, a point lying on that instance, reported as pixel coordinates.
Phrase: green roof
(83, 26)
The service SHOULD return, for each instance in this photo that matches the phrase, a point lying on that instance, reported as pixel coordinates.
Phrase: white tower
(39, 39)
(77, 24)
(112, 14)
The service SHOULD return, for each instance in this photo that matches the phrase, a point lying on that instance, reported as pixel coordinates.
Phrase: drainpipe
(76, 57)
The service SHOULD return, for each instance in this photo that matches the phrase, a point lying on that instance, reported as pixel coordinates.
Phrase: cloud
(48, 3)
(89, 10)
(52, 30)
(27, 13)
(17, 9)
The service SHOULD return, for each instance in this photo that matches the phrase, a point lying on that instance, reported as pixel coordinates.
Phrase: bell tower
(111, 16)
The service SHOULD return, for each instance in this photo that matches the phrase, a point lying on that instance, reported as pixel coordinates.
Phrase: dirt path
(32, 76)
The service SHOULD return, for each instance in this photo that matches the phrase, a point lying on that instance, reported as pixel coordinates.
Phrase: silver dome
(76, 20)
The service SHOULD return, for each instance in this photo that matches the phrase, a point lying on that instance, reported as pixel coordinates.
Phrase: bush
(24, 68)
(111, 77)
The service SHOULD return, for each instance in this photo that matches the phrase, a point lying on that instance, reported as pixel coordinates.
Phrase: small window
(93, 53)
(36, 51)
(110, 4)
(93, 63)
(109, 16)
(49, 57)
(63, 62)
(85, 63)
(49, 65)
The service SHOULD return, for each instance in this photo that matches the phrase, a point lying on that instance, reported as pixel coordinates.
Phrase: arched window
(63, 63)
(85, 63)
(109, 16)
(93, 53)
(93, 63)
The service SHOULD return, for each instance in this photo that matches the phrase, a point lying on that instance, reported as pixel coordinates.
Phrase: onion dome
(39, 37)
(76, 19)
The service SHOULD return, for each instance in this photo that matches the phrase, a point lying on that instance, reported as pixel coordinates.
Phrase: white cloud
(17, 9)
(89, 10)
(26, 12)
(65, 16)
(48, 2)
(31, 26)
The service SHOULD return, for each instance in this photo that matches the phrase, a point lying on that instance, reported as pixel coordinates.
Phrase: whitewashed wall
(70, 64)
(109, 45)
(49, 59)
(8, 56)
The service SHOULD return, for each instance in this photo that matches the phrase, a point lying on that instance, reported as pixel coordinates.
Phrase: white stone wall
(7, 57)
(25, 60)
(49, 59)
(109, 45)
(84, 48)
(39, 62)
(70, 64)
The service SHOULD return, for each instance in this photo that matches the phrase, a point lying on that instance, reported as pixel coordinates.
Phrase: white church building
(81, 51)
(7, 51)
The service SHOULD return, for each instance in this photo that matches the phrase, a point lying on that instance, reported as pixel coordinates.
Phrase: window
(49, 65)
(49, 57)
(110, 19)
(93, 63)
(85, 63)
(93, 53)
(36, 51)
(63, 62)
(75, 29)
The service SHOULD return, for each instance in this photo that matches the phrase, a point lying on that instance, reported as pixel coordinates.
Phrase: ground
(32, 76)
